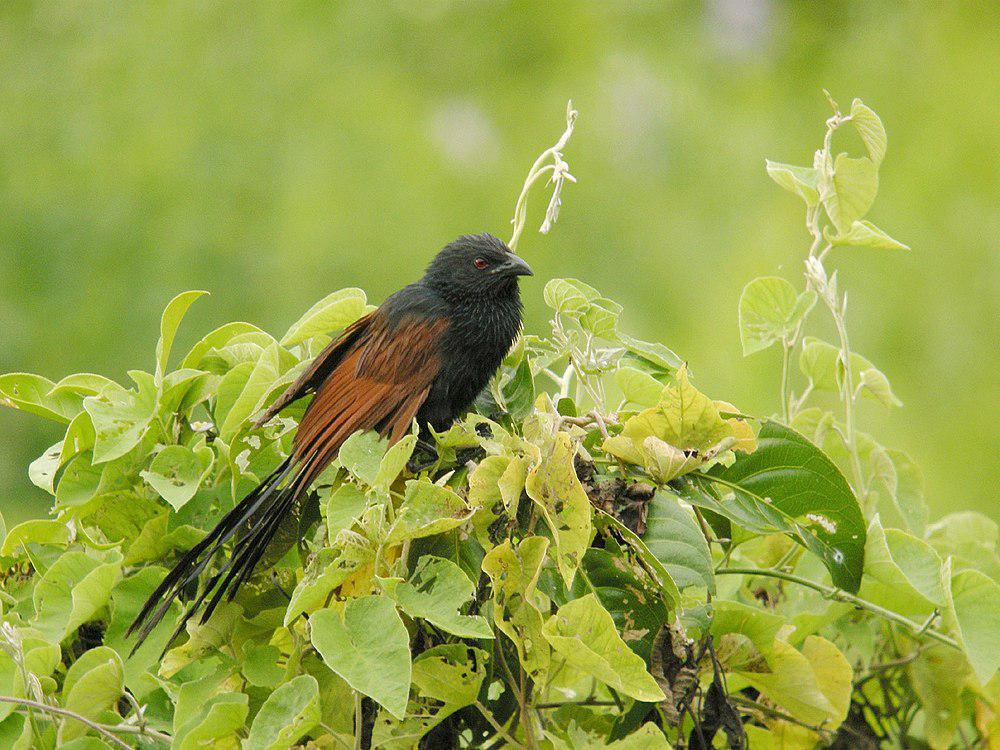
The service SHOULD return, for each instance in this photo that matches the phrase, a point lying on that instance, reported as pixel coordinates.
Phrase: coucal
(425, 353)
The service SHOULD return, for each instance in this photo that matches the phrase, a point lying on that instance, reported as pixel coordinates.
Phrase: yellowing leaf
(427, 509)
(680, 433)
(514, 574)
(554, 486)
(813, 685)
(436, 591)
(584, 634)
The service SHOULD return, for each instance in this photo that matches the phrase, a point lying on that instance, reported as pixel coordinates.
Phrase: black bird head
(476, 265)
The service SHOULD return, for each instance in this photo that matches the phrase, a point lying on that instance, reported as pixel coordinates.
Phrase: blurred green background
(272, 152)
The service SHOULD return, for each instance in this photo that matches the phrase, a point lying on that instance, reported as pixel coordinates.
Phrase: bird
(425, 353)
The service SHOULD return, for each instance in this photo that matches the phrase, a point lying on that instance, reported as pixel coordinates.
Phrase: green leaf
(802, 181)
(427, 509)
(215, 340)
(851, 192)
(262, 665)
(254, 393)
(638, 387)
(127, 599)
(36, 531)
(366, 643)
(969, 538)
(909, 496)
(73, 590)
(93, 685)
(324, 573)
(584, 634)
(81, 383)
(646, 563)
(169, 323)
(332, 313)
(902, 573)
(121, 416)
(675, 539)
(177, 471)
(938, 676)
(569, 296)
(654, 353)
(821, 363)
(519, 392)
(216, 723)
(866, 234)
(789, 485)
(362, 453)
(42, 471)
(870, 128)
(31, 393)
(973, 613)
(632, 599)
(344, 508)
(394, 461)
(79, 482)
(80, 436)
(555, 487)
(436, 591)
(771, 311)
(601, 317)
(286, 716)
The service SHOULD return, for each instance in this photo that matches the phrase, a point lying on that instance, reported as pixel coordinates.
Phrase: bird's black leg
(425, 455)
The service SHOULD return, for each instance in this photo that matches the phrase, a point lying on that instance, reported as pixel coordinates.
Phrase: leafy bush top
(598, 555)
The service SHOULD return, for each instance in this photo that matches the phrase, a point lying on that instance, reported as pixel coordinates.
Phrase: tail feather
(265, 506)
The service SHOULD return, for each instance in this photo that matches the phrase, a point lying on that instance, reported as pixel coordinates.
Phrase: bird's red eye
(481, 263)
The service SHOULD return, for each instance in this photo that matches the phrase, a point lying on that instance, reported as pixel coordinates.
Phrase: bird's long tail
(258, 515)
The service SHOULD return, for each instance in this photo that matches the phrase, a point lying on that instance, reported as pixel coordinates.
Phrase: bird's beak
(515, 266)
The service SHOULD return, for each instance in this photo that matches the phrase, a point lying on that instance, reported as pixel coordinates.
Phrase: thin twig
(775, 713)
(101, 729)
(842, 596)
(487, 714)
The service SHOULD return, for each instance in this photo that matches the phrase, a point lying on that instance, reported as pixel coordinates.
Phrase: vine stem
(845, 353)
(776, 714)
(358, 720)
(840, 595)
(104, 730)
(785, 356)
(496, 724)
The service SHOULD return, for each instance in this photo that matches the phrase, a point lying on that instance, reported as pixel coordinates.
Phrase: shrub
(599, 554)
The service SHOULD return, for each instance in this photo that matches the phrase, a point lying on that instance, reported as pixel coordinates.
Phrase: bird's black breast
(479, 335)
